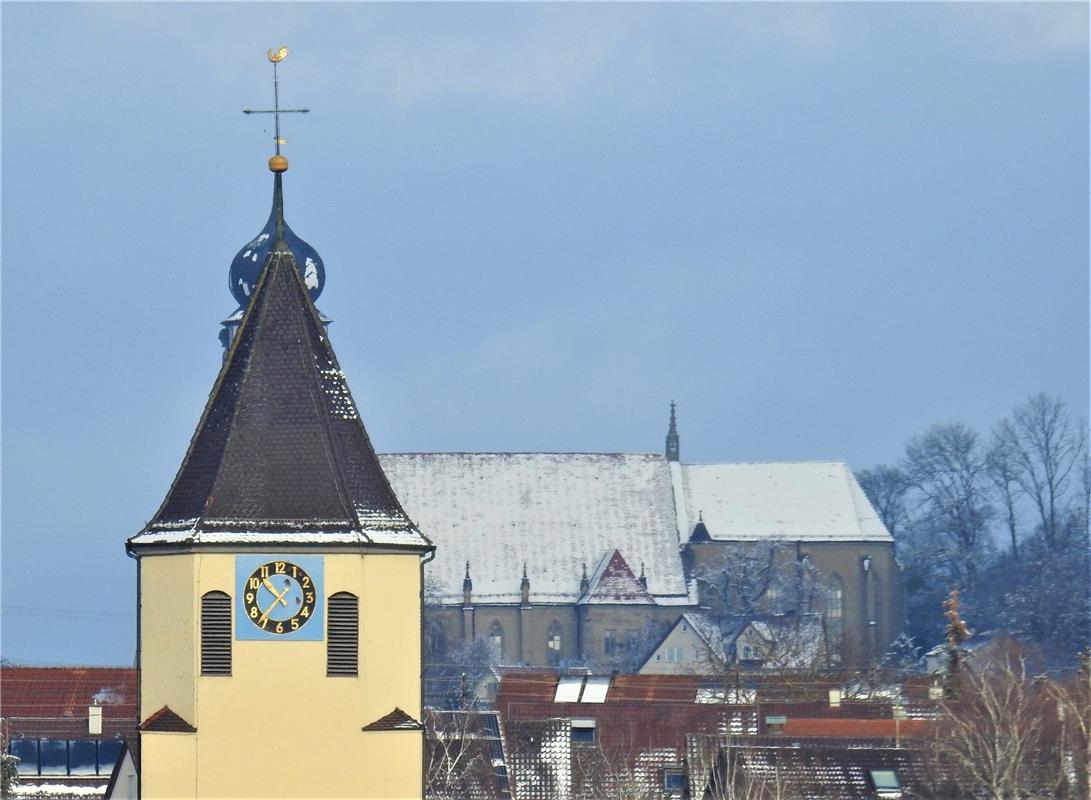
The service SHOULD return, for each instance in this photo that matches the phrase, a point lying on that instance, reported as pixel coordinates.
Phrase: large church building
(590, 558)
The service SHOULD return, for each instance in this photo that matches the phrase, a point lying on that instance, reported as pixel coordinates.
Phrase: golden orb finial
(278, 163)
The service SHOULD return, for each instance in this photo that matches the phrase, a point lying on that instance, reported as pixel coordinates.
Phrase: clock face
(279, 597)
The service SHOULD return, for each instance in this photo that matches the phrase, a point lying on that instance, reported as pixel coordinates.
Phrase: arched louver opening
(215, 634)
(343, 634)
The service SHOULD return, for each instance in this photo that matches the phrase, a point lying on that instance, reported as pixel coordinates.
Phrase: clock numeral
(295, 624)
(249, 597)
(264, 622)
(280, 567)
(254, 583)
(306, 582)
(265, 571)
(280, 627)
(306, 612)
(309, 598)
(295, 571)
(253, 612)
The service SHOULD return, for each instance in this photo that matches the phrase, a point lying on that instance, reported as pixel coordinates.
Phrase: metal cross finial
(276, 110)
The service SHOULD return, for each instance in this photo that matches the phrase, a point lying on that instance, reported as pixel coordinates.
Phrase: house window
(583, 731)
(53, 756)
(343, 635)
(26, 750)
(79, 757)
(674, 654)
(672, 780)
(609, 644)
(215, 634)
(553, 642)
(496, 641)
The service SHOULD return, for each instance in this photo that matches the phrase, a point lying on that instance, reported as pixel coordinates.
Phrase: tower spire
(276, 236)
(672, 437)
(278, 164)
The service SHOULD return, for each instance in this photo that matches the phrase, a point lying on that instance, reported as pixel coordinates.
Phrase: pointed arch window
(554, 641)
(835, 598)
(343, 635)
(496, 641)
(835, 610)
(215, 633)
(876, 598)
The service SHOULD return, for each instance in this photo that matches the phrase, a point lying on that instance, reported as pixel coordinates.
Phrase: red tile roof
(653, 689)
(166, 721)
(396, 720)
(60, 692)
(852, 728)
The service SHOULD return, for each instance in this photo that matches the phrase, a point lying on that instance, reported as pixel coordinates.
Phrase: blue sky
(819, 228)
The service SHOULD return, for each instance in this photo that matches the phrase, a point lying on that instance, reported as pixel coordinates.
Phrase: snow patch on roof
(556, 511)
(23, 789)
(809, 501)
(380, 536)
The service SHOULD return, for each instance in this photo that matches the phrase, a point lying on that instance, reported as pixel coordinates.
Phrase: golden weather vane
(281, 163)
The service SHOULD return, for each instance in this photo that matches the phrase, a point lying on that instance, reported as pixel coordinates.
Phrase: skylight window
(568, 690)
(886, 782)
(594, 691)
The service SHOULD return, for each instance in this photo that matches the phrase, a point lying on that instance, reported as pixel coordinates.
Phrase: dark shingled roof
(280, 447)
(396, 720)
(166, 721)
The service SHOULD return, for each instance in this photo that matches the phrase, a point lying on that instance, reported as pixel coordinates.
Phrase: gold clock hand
(279, 599)
(272, 589)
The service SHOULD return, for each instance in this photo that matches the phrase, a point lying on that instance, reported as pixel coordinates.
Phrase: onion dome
(248, 263)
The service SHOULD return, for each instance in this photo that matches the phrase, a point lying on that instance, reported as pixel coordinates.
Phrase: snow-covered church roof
(558, 512)
(561, 513)
(788, 501)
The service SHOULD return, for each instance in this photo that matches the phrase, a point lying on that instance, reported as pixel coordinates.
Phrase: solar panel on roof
(594, 691)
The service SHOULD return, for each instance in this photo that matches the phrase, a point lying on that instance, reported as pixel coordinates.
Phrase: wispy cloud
(1023, 29)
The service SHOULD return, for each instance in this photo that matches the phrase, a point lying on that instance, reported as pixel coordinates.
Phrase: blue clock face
(278, 598)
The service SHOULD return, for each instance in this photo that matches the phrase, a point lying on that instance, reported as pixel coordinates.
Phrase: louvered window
(215, 634)
(343, 634)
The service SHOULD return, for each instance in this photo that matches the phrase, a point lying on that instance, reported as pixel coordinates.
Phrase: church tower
(280, 580)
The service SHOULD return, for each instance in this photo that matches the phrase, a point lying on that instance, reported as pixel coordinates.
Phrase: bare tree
(617, 772)
(718, 770)
(1002, 467)
(1047, 446)
(946, 468)
(1073, 698)
(886, 487)
(992, 732)
(762, 577)
(457, 762)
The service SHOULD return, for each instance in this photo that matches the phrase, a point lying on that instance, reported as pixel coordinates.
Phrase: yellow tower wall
(278, 726)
